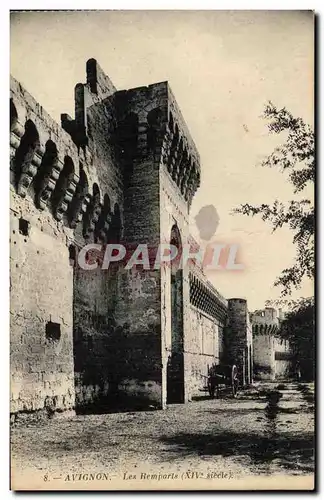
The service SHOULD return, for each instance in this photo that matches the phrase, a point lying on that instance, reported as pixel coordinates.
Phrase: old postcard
(162, 250)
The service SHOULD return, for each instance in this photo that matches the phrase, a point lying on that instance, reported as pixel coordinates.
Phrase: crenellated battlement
(37, 142)
(151, 123)
(98, 87)
(265, 322)
(47, 165)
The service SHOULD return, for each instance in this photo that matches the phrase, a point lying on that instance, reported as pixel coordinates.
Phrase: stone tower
(239, 339)
(161, 174)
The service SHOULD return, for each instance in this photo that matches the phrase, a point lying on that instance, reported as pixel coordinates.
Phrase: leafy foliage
(297, 157)
(298, 328)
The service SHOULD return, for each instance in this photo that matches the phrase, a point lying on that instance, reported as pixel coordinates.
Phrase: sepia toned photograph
(162, 314)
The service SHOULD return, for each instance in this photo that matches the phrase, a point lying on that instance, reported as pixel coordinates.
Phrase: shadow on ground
(118, 403)
(204, 397)
(254, 411)
(292, 453)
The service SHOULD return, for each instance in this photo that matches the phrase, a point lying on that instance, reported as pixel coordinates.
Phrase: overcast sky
(222, 67)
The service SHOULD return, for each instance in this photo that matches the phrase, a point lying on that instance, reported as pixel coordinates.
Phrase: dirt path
(255, 434)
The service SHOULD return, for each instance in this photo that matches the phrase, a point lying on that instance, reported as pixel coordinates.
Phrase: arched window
(175, 239)
(171, 123)
(45, 179)
(16, 133)
(176, 171)
(189, 180)
(25, 163)
(13, 115)
(175, 367)
(174, 146)
(93, 212)
(104, 221)
(184, 171)
(81, 199)
(96, 195)
(64, 189)
(115, 229)
(155, 128)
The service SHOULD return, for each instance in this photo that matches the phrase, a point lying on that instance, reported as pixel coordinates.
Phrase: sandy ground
(206, 443)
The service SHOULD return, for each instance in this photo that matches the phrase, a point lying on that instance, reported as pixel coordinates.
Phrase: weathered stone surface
(124, 169)
(239, 339)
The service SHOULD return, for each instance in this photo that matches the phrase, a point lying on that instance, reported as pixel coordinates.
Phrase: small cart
(222, 375)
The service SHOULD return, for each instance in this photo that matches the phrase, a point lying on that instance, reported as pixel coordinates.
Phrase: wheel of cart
(226, 375)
